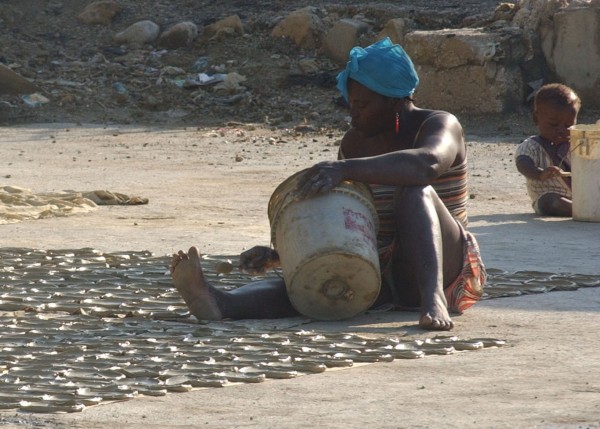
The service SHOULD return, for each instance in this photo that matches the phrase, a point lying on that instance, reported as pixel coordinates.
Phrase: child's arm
(527, 168)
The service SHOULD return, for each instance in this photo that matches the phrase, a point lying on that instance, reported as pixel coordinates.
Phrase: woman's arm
(438, 144)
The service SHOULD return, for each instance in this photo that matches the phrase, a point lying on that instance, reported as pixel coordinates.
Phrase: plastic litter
(119, 87)
(34, 100)
(203, 79)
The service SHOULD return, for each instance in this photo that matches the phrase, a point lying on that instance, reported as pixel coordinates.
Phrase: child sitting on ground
(544, 159)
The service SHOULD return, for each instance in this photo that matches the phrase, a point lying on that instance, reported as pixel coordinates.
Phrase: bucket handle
(582, 142)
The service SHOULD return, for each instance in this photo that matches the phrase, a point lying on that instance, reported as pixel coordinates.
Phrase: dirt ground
(208, 170)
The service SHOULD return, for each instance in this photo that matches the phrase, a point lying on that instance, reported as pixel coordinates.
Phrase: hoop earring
(397, 122)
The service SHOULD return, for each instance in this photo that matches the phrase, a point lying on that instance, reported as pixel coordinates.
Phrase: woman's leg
(428, 254)
(260, 300)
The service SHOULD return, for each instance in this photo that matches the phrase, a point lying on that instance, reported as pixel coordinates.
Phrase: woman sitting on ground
(415, 162)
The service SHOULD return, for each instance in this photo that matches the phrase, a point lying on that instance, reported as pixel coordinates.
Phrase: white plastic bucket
(585, 172)
(327, 247)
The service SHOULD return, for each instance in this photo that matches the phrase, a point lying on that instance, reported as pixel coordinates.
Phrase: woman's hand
(258, 260)
(320, 178)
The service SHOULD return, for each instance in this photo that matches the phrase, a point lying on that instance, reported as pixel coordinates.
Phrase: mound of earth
(87, 78)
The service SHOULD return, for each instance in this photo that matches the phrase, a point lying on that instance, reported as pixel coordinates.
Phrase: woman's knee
(414, 205)
(410, 197)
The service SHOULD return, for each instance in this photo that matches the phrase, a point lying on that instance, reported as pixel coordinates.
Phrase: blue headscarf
(382, 67)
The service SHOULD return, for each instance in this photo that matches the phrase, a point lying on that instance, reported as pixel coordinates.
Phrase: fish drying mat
(82, 327)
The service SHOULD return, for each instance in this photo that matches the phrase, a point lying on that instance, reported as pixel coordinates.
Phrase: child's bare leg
(188, 278)
(552, 204)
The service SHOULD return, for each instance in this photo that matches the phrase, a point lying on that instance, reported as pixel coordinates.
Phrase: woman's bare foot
(188, 278)
(435, 317)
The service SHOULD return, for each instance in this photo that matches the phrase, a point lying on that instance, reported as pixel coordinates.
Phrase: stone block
(395, 29)
(180, 35)
(342, 37)
(572, 50)
(468, 70)
(303, 26)
(99, 12)
(232, 25)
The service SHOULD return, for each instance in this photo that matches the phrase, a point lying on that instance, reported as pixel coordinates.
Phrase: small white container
(585, 172)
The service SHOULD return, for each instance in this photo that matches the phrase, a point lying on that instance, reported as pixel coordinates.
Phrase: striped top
(451, 187)
(533, 148)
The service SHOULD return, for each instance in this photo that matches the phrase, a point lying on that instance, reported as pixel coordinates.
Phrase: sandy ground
(211, 187)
